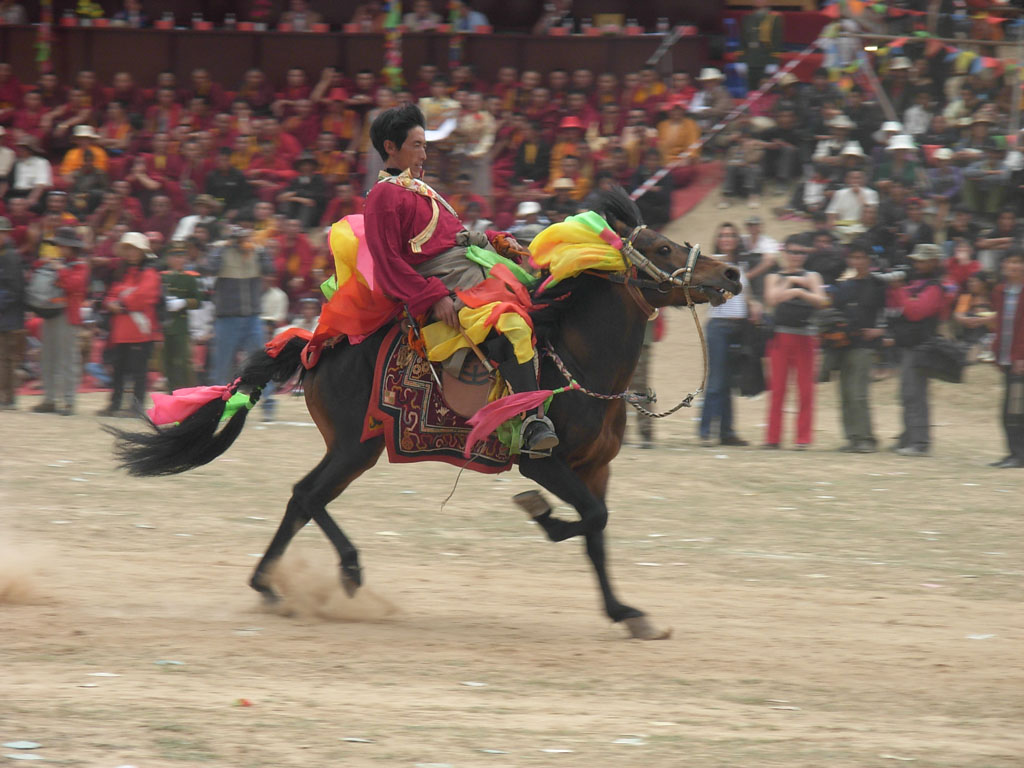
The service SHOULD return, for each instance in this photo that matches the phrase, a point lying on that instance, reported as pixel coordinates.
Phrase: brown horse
(595, 329)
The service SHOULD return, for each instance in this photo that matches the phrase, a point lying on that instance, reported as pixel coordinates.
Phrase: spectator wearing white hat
(826, 152)
(85, 137)
(897, 84)
(882, 137)
(901, 164)
(134, 325)
(529, 221)
(945, 181)
(712, 102)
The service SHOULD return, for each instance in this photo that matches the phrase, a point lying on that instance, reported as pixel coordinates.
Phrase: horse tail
(195, 440)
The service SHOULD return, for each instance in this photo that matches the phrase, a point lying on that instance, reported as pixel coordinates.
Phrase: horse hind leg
(310, 496)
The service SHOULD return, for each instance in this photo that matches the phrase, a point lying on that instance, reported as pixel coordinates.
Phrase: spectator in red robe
(295, 90)
(198, 116)
(203, 87)
(424, 77)
(296, 263)
(256, 91)
(344, 203)
(285, 145)
(165, 113)
(463, 196)
(507, 88)
(268, 171)
(303, 123)
(125, 93)
(541, 110)
(29, 117)
(87, 82)
(576, 106)
(10, 94)
(162, 217)
(681, 90)
(222, 134)
(607, 91)
(52, 92)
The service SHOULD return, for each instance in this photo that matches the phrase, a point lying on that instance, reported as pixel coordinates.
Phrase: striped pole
(721, 124)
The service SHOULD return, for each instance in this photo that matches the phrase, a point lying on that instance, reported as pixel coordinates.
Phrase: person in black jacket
(228, 184)
(12, 315)
(305, 196)
(861, 300)
(533, 158)
(656, 203)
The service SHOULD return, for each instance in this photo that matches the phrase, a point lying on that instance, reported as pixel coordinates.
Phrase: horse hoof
(533, 503)
(641, 628)
(351, 580)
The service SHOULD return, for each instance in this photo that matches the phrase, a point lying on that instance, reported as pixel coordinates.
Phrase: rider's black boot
(539, 436)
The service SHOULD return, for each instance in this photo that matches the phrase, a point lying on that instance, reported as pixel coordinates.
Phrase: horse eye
(665, 250)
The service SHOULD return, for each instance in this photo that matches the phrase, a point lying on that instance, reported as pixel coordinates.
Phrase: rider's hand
(444, 310)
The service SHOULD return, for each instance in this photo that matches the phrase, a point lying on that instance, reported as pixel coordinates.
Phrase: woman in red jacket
(134, 326)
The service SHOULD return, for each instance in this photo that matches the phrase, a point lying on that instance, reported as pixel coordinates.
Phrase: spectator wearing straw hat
(85, 138)
(916, 309)
(712, 102)
(60, 350)
(134, 326)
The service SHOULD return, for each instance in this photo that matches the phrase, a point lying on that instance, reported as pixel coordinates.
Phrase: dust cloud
(20, 575)
(311, 588)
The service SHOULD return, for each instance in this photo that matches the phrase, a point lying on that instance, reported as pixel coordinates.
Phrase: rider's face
(412, 154)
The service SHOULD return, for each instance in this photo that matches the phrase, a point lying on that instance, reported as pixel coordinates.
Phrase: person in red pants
(794, 294)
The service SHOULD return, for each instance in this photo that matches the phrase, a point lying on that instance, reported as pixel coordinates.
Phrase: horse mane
(556, 302)
(615, 204)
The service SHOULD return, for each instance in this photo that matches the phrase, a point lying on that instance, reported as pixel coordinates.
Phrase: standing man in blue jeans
(239, 265)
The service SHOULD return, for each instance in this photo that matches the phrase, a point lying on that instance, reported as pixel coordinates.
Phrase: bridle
(660, 281)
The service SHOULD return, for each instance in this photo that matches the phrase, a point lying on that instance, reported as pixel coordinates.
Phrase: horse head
(669, 274)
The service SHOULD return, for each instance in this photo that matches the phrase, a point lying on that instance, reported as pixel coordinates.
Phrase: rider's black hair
(394, 125)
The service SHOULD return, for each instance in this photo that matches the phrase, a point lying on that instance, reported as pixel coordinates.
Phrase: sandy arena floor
(849, 611)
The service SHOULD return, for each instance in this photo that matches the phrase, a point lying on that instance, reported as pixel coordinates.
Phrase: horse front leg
(586, 494)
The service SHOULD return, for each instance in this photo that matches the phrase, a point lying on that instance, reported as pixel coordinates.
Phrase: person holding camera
(61, 356)
(239, 266)
(861, 300)
(918, 308)
(793, 294)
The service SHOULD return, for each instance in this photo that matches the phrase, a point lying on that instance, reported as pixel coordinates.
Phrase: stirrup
(542, 447)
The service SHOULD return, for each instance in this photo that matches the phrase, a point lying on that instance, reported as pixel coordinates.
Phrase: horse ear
(619, 210)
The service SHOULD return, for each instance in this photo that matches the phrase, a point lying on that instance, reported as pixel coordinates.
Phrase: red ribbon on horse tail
(182, 403)
(492, 415)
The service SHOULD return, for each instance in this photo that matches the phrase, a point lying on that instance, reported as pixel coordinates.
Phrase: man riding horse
(418, 246)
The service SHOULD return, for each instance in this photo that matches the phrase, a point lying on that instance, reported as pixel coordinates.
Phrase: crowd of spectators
(241, 181)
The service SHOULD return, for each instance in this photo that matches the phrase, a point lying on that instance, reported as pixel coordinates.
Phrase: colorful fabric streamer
(579, 243)
(182, 403)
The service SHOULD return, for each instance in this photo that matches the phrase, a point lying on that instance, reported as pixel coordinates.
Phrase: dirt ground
(849, 611)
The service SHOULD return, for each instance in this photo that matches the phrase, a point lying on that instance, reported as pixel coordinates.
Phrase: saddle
(423, 416)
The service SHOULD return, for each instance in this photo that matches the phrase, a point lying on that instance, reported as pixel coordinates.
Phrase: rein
(680, 278)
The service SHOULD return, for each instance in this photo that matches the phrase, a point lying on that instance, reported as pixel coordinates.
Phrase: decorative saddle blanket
(409, 410)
